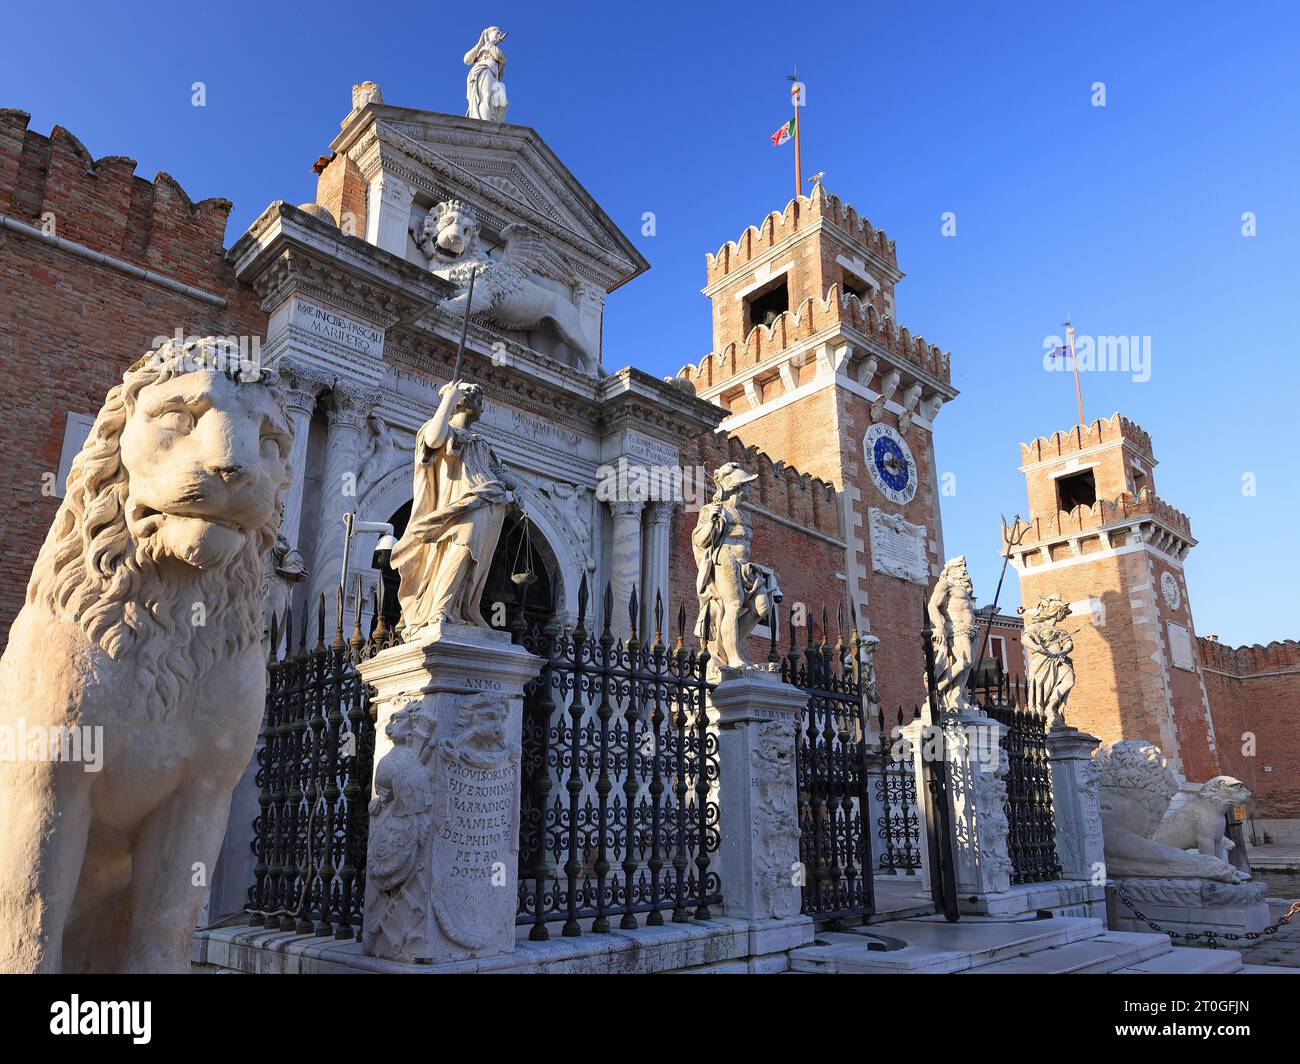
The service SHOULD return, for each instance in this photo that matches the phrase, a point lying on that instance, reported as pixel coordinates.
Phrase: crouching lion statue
(1136, 788)
(141, 633)
(1198, 823)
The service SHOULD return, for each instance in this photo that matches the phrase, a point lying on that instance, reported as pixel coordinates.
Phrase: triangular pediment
(506, 168)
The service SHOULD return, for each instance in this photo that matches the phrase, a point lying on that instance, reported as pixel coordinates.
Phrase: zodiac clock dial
(1169, 588)
(890, 462)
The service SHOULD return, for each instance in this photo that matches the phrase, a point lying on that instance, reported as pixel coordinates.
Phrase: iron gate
(314, 760)
(1031, 821)
(899, 825)
(831, 767)
(618, 811)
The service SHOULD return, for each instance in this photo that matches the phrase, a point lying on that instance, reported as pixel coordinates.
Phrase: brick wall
(69, 326)
(1254, 696)
(795, 522)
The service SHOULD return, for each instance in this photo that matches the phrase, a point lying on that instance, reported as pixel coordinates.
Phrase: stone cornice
(634, 399)
(287, 251)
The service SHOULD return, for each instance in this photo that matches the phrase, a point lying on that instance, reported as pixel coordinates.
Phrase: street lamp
(383, 548)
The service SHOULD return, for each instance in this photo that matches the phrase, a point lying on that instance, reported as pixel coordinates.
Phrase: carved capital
(626, 508)
(659, 514)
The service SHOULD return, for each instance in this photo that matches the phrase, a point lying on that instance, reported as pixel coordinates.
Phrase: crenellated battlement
(803, 499)
(1048, 528)
(1278, 656)
(799, 213)
(55, 184)
(792, 330)
(1079, 438)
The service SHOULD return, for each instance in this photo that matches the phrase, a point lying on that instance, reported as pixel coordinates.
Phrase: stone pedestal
(759, 852)
(1193, 905)
(1075, 803)
(976, 768)
(443, 853)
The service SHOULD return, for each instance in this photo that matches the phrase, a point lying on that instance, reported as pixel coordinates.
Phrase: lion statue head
(178, 483)
(1225, 792)
(449, 231)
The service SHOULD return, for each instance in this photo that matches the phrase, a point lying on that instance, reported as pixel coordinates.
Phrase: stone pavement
(1281, 949)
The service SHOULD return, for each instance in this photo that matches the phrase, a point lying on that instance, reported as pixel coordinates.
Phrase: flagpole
(798, 160)
(798, 165)
(1078, 391)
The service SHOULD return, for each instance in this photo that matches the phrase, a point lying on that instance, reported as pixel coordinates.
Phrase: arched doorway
(517, 551)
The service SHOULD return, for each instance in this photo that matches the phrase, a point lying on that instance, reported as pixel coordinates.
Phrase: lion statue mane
(140, 637)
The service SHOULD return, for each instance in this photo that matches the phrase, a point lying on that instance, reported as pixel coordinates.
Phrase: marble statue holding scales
(1051, 669)
(462, 494)
(733, 595)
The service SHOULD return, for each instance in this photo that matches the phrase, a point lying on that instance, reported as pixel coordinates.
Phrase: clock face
(1169, 589)
(890, 462)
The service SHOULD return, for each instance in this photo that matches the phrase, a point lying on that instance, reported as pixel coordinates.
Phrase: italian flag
(786, 132)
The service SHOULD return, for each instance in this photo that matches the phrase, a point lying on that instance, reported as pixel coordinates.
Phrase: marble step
(1108, 952)
(1267, 969)
(1186, 960)
(934, 946)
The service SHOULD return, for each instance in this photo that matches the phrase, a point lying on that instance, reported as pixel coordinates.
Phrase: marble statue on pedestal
(1137, 787)
(140, 642)
(506, 288)
(485, 92)
(1051, 669)
(951, 610)
(733, 595)
(462, 495)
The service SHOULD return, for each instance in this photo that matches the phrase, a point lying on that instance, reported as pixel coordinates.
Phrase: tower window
(765, 305)
(1079, 489)
(852, 283)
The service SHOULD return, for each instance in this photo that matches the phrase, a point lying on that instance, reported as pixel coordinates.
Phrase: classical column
(1076, 802)
(654, 576)
(300, 402)
(338, 495)
(758, 853)
(627, 563)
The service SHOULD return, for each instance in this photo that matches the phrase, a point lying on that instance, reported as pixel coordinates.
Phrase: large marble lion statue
(1136, 788)
(523, 288)
(141, 635)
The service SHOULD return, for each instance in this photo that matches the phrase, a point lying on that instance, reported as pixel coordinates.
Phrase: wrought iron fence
(831, 767)
(618, 811)
(1031, 822)
(314, 763)
(899, 823)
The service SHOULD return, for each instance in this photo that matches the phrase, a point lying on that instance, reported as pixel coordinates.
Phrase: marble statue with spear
(462, 494)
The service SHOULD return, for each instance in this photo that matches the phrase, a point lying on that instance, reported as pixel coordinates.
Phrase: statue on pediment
(520, 289)
(484, 89)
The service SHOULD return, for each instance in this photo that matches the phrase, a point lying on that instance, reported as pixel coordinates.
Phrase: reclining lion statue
(142, 627)
(1198, 824)
(1136, 788)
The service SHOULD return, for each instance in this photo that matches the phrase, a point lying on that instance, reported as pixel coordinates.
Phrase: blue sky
(1126, 217)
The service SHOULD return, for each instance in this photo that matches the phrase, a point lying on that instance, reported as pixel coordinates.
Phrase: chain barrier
(1210, 937)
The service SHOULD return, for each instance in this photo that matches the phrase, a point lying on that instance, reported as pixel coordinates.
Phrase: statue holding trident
(462, 494)
(484, 89)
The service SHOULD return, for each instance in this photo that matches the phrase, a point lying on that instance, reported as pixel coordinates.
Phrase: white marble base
(1062, 898)
(719, 945)
(1189, 906)
(443, 852)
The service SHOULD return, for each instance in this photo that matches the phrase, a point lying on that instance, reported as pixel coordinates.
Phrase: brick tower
(1099, 536)
(813, 369)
